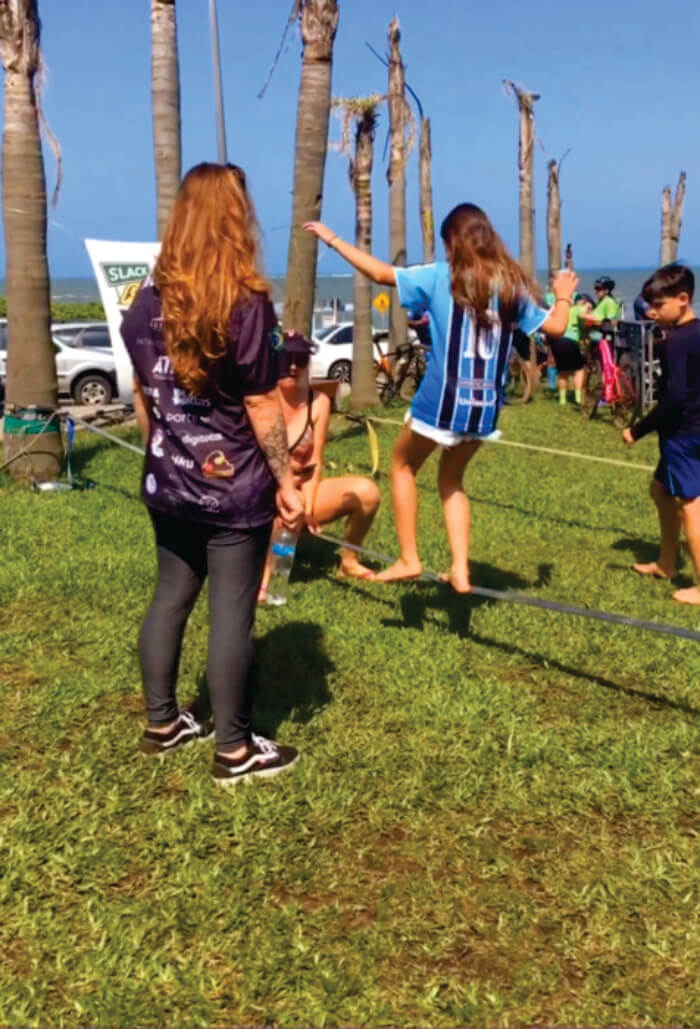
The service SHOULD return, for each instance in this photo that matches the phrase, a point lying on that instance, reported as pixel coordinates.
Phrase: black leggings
(234, 560)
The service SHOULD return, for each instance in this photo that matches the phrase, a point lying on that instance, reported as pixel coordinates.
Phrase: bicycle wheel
(592, 388)
(624, 407)
(520, 381)
(388, 390)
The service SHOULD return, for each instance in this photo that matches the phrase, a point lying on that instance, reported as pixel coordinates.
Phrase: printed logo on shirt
(181, 398)
(276, 338)
(151, 391)
(157, 443)
(474, 402)
(162, 366)
(151, 484)
(181, 417)
(217, 466)
(195, 441)
(183, 462)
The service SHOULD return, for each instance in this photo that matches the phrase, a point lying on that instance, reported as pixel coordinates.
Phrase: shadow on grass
(289, 675)
(459, 610)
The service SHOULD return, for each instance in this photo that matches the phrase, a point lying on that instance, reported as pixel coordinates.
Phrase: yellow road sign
(381, 303)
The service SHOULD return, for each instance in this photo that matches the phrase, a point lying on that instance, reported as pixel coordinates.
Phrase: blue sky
(617, 85)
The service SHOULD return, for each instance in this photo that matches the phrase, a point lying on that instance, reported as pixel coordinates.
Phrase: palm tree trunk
(666, 247)
(364, 385)
(427, 220)
(526, 175)
(553, 217)
(398, 328)
(319, 21)
(677, 216)
(165, 96)
(31, 367)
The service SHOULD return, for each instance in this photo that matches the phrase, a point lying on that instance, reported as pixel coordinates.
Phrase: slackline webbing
(523, 446)
(513, 597)
(508, 596)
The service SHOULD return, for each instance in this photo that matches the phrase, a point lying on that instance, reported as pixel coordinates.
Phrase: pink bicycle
(611, 384)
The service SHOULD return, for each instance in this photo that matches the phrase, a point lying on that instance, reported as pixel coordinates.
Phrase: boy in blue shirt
(676, 485)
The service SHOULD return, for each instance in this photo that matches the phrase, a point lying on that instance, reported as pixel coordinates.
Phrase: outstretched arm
(376, 270)
(564, 286)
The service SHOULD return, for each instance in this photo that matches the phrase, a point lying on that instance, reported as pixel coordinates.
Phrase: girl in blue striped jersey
(474, 300)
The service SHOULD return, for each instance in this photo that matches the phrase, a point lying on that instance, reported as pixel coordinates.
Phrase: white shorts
(444, 437)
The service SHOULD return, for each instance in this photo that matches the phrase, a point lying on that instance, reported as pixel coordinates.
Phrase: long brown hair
(480, 265)
(208, 264)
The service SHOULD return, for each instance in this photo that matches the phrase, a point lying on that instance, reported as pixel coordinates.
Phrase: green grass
(494, 821)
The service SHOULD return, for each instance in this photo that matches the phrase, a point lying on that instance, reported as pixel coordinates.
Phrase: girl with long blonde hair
(203, 340)
(474, 300)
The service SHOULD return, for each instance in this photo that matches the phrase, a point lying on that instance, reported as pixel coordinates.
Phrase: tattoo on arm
(273, 443)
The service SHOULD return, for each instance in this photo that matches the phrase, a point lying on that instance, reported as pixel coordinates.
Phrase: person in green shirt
(568, 351)
(607, 309)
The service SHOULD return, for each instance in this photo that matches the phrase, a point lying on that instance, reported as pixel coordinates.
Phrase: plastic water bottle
(284, 545)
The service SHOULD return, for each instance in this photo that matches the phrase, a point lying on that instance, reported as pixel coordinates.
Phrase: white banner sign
(120, 268)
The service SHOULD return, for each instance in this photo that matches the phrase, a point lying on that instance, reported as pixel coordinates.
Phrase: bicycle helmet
(604, 282)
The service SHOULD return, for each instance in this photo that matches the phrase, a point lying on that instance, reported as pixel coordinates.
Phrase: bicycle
(411, 362)
(610, 383)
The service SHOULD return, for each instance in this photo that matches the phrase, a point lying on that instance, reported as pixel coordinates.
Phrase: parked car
(83, 334)
(86, 373)
(333, 356)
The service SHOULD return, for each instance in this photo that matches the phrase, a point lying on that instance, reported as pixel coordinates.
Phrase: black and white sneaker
(186, 730)
(263, 760)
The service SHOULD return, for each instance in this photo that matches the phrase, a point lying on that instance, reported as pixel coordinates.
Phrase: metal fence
(641, 340)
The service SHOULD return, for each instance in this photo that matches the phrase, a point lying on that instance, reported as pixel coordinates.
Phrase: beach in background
(339, 287)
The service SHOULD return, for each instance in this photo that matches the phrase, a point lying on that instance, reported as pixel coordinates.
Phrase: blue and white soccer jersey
(463, 387)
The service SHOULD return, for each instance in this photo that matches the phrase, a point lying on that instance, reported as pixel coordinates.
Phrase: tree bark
(665, 251)
(569, 257)
(526, 163)
(319, 21)
(677, 216)
(427, 221)
(398, 327)
(364, 384)
(165, 97)
(31, 366)
(553, 217)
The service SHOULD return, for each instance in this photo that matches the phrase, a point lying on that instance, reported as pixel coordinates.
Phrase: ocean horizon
(338, 287)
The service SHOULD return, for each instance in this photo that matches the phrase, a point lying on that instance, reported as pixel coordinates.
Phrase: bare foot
(355, 570)
(654, 569)
(459, 583)
(688, 596)
(399, 571)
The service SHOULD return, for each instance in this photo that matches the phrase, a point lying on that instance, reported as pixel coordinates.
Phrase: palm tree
(165, 96)
(319, 21)
(360, 114)
(427, 219)
(671, 218)
(31, 368)
(553, 216)
(396, 176)
(526, 161)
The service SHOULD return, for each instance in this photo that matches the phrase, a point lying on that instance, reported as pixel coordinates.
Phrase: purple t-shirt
(203, 462)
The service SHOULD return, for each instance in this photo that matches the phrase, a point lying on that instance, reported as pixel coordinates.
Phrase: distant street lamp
(218, 85)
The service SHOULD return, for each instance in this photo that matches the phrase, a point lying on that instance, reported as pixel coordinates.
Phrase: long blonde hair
(481, 266)
(208, 264)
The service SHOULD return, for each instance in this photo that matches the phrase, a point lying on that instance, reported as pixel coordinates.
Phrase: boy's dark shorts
(678, 469)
